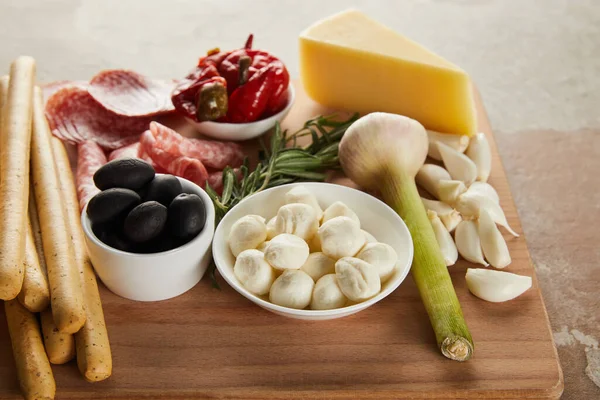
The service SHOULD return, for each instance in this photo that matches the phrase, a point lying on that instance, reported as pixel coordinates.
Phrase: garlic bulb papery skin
(298, 219)
(253, 272)
(382, 256)
(271, 233)
(484, 189)
(357, 279)
(341, 237)
(292, 289)
(449, 216)
(429, 176)
(460, 167)
(263, 246)
(300, 194)
(247, 233)
(286, 251)
(327, 294)
(471, 204)
(479, 151)
(496, 286)
(339, 209)
(443, 238)
(450, 190)
(493, 244)
(317, 265)
(466, 238)
(457, 142)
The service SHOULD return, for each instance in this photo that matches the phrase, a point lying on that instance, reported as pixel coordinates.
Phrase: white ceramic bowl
(158, 276)
(245, 131)
(375, 216)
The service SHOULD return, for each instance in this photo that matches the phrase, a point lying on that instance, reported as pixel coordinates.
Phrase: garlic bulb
(357, 279)
(247, 233)
(496, 286)
(271, 233)
(382, 256)
(253, 272)
(443, 238)
(263, 246)
(286, 251)
(457, 142)
(300, 194)
(298, 219)
(449, 190)
(339, 209)
(327, 294)
(317, 265)
(471, 204)
(292, 289)
(341, 237)
(460, 167)
(429, 176)
(479, 151)
(467, 242)
(449, 216)
(484, 189)
(493, 244)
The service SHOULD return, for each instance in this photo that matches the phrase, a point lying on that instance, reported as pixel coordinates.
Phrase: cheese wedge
(352, 62)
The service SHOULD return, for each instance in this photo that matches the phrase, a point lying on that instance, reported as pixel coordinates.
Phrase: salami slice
(213, 154)
(51, 88)
(130, 151)
(128, 93)
(75, 117)
(90, 157)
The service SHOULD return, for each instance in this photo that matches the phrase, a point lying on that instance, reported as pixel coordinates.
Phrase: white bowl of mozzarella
(313, 251)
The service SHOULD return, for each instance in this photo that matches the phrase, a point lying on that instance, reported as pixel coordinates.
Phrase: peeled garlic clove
(429, 176)
(286, 251)
(449, 216)
(300, 194)
(457, 142)
(471, 204)
(484, 189)
(357, 279)
(247, 233)
(479, 151)
(292, 289)
(327, 294)
(496, 286)
(460, 167)
(298, 219)
(467, 242)
(443, 238)
(449, 190)
(493, 244)
(271, 232)
(339, 209)
(382, 256)
(253, 272)
(341, 237)
(317, 265)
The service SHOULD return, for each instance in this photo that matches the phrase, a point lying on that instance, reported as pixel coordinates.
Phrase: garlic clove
(382, 256)
(300, 194)
(460, 167)
(253, 272)
(429, 176)
(479, 151)
(271, 230)
(317, 265)
(298, 219)
(247, 233)
(357, 279)
(449, 216)
(443, 238)
(496, 286)
(449, 190)
(468, 243)
(327, 294)
(471, 204)
(286, 251)
(457, 142)
(292, 289)
(341, 237)
(484, 189)
(493, 244)
(339, 209)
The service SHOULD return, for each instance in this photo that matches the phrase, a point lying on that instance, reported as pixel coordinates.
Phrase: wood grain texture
(216, 344)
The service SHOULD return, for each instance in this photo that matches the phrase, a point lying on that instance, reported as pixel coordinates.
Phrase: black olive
(145, 222)
(110, 204)
(187, 215)
(163, 188)
(163, 242)
(112, 236)
(128, 173)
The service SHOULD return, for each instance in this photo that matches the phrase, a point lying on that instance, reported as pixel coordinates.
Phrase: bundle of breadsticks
(44, 267)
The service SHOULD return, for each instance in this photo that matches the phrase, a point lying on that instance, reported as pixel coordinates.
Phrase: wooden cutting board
(217, 344)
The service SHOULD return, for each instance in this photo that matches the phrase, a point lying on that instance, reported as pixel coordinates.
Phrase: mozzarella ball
(271, 228)
(314, 244)
(339, 209)
(341, 237)
(317, 265)
(286, 251)
(253, 272)
(247, 233)
(327, 294)
(380, 255)
(298, 219)
(357, 279)
(263, 246)
(300, 194)
(292, 289)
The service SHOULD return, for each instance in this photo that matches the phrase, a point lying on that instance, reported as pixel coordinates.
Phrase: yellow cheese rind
(339, 70)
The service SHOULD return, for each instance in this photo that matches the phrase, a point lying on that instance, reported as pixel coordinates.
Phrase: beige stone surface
(536, 63)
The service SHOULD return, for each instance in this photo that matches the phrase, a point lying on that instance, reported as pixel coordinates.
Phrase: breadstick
(60, 347)
(35, 295)
(93, 349)
(14, 175)
(66, 294)
(33, 368)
